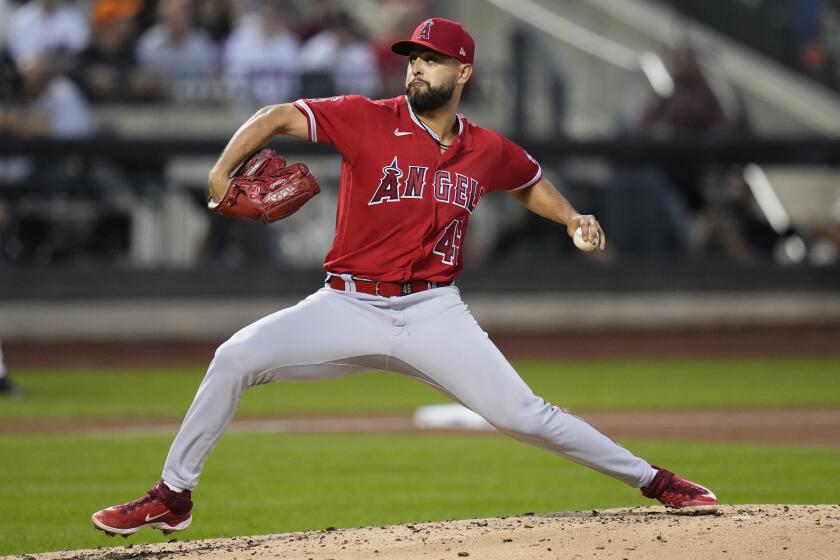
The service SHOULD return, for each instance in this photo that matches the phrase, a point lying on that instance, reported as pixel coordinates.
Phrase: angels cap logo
(450, 39)
(427, 28)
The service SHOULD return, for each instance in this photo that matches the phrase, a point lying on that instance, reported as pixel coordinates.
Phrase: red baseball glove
(264, 189)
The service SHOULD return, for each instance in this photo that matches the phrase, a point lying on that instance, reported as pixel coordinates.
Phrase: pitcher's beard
(429, 98)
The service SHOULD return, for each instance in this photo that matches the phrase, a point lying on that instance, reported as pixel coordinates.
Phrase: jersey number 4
(449, 243)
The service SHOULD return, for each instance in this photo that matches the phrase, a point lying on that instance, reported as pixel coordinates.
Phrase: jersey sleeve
(340, 121)
(515, 168)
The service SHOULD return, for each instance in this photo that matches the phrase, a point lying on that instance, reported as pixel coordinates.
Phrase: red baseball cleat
(160, 509)
(676, 492)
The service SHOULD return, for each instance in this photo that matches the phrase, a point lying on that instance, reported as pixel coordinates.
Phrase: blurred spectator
(9, 80)
(181, 55)
(42, 105)
(215, 17)
(817, 27)
(261, 57)
(723, 216)
(736, 227)
(342, 52)
(54, 200)
(50, 105)
(12, 169)
(812, 53)
(47, 28)
(714, 210)
(239, 9)
(107, 70)
(692, 109)
(6, 9)
(320, 13)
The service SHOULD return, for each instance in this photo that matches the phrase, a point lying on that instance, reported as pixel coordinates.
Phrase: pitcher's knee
(232, 362)
(519, 425)
(516, 420)
(528, 418)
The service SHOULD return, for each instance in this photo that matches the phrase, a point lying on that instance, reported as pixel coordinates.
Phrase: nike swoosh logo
(150, 518)
(398, 132)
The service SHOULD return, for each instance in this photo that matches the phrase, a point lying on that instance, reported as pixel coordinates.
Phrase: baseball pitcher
(412, 172)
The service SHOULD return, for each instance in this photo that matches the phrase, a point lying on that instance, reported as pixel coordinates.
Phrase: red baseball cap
(440, 35)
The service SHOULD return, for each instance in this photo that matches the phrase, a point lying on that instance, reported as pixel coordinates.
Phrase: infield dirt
(820, 427)
(754, 531)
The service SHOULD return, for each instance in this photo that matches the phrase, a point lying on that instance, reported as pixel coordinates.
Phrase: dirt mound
(755, 531)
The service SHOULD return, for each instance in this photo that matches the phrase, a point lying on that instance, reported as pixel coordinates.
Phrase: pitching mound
(756, 531)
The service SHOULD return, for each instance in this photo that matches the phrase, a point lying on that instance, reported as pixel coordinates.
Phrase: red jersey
(403, 206)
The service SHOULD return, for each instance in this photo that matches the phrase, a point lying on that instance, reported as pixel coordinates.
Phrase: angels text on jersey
(444, 185)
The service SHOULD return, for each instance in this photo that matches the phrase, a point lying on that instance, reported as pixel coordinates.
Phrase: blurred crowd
(802, 34)
(243, 51)
(682, 207)
(711, 208)
(62, 59)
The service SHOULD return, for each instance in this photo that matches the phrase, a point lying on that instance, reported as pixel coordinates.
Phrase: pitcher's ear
(464, 73)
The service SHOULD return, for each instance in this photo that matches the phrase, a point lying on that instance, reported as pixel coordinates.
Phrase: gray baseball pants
(430, 335)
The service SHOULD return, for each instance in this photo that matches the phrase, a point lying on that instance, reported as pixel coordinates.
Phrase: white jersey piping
(431, 132)
(313, 131)
(533, 180)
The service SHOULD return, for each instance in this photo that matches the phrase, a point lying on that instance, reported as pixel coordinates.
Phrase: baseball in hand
(586, 246)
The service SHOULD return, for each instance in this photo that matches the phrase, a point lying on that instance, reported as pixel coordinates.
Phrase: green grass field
(258, 483)
(591, 385)
(262, 483)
